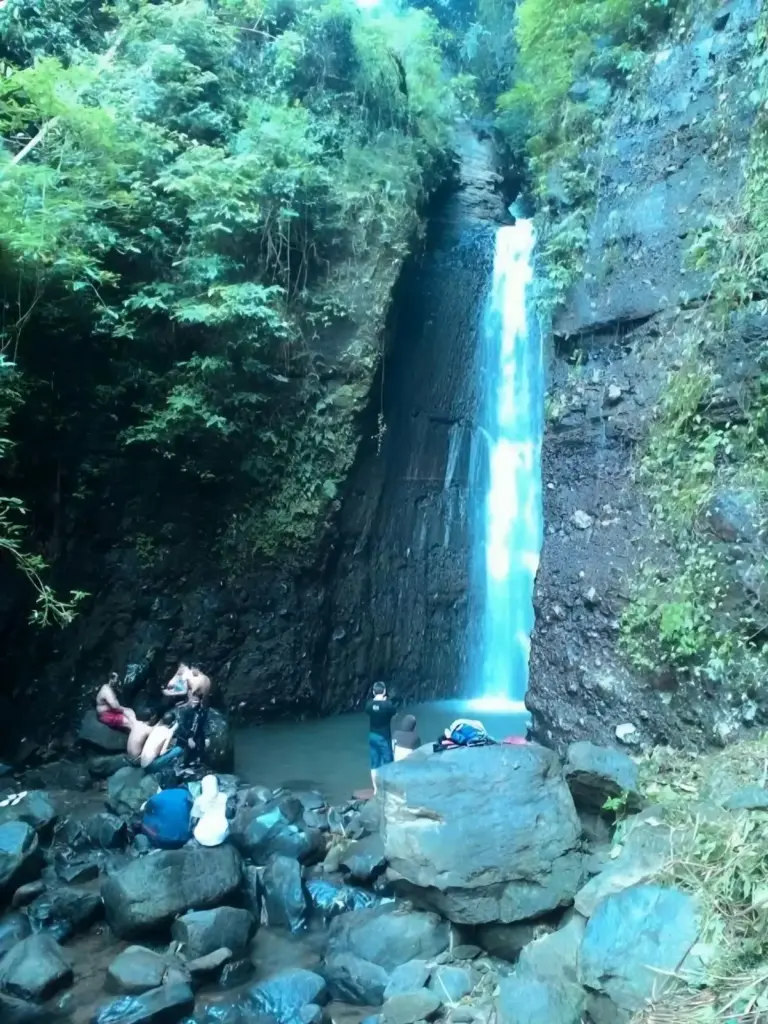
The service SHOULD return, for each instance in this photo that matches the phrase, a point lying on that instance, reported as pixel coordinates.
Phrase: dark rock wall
(671, 158)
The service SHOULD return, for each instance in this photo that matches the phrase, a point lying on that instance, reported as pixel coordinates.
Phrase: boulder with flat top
(482, 834)
(94, 733)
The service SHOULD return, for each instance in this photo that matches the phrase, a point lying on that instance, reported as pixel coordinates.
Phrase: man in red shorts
(110, 711)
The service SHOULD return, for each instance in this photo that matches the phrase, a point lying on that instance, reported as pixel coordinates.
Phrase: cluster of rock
(480, 882)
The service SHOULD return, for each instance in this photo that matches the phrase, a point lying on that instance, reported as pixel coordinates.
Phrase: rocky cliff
(672, 163)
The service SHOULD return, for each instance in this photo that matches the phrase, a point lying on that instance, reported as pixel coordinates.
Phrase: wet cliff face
(386, 593)
(664, 171)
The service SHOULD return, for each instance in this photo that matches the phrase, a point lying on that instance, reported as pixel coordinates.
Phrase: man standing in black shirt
(381, 710)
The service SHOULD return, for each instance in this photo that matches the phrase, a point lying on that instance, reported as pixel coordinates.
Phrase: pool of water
(331, 754)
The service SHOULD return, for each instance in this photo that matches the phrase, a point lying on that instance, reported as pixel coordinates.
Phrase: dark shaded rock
(364, 861)
(283, 996)
(450, 984)
(26, 893)
(355, 981)
(220, 742)
(634, 939)
(77, 872)
(17, 1011)
(505, 941)
(20, 856)
(13, 928)
(457, 827)
(408, 977)
(60, 775)
(168, 1004)
(135, 970)
(252, 890)
(35, 808)
(236, 973)
(103, 766)
(129, 789)
(152, 891)
(209, 966)
(284, 897)
(466, 951)
(527, 1001)
(595, 774)
(106, 831)
(751, 798)
(411, 1007)
(204, 931)
(35, 969)
(62, 912)
(261, 833)
(94, 734)
(388, 936)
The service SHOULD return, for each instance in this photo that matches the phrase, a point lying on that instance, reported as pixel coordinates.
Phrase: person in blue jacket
(166, 818)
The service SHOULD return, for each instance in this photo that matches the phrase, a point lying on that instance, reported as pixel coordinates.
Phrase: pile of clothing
(465, 732)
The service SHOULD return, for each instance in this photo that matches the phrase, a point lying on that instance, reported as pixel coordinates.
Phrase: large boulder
(20, 856)
(388, 936)
(35, 969)
(129, 789)
(364, 860)
(596, 774)
(135, 970)
(204, 931)
(219, 742)
(482, 834)
(93, 734)
(524, 1000)
(152, 891)
(355, 981)
(168, 1004)
(635, 940)
(285, 995)
(283, 891)
(264, 831)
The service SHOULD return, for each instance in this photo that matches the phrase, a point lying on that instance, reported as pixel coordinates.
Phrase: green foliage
(215, 194)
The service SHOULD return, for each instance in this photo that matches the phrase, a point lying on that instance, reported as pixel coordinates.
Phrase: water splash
(508, 535)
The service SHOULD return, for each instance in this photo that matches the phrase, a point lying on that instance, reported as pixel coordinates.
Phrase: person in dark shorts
(380, 710)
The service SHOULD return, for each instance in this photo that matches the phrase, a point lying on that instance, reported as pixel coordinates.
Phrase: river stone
(595, 774)
(152, 891)
(528, 1001)
(263, 832)
(483, 834)
(65, 910)
(20, 856)
(364, 860)
(35, 969)
(136, 970)
(283, 893)
(411, 1007)
(554, 957)
(450, 984)
(167, 1004)
(34, 808)
(129, 789)
(634, 939)
(13, 928)
(203, 931)
(210, 965)
(408, 977)
(284, 995)
(388, 936)
(236, 973)
(93, 733)
(356, 981)
(750, 798)
(647, 848)
(18, 1011)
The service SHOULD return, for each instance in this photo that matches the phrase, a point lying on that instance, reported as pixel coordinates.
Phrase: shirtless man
(159, 740)
(109, 710)
(137, 737)
(188, 683)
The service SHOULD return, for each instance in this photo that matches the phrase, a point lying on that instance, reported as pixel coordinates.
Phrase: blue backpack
(465, 733)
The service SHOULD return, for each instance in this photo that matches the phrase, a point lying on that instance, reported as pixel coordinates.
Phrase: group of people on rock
(178, 737)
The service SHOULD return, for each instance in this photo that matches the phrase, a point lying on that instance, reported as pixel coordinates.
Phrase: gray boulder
(261, 832)
(65, 910)
(750, 798)
(355, 981)
(595, 774)
(20, 856)
(204, 931)
(283, 890)
(284, 996)
(106, 831)
(408, 977)
(168, 1004)
(93, 734)
(129, 789)
(34, 808)
(35, 969)
(411, 1007)
(135, 970)
(554, 957)
(634, 940)
(528, 1001)
(152, 891)
(388, 936)
(450, 984)
(483, 834)
(364, 860)
(13, 928)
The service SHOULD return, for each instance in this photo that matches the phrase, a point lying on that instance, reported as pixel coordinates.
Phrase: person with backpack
(380, 710)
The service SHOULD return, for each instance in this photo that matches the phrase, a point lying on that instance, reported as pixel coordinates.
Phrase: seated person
(405, 739)
(166, 818)
(109, 710)
(137, 737)
(159, 741)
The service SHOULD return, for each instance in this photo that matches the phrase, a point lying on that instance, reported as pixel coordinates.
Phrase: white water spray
(510, 536)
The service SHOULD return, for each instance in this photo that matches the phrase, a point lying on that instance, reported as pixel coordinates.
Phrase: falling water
(508, 528)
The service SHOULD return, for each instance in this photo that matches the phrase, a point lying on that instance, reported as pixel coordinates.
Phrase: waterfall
(507, 526)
